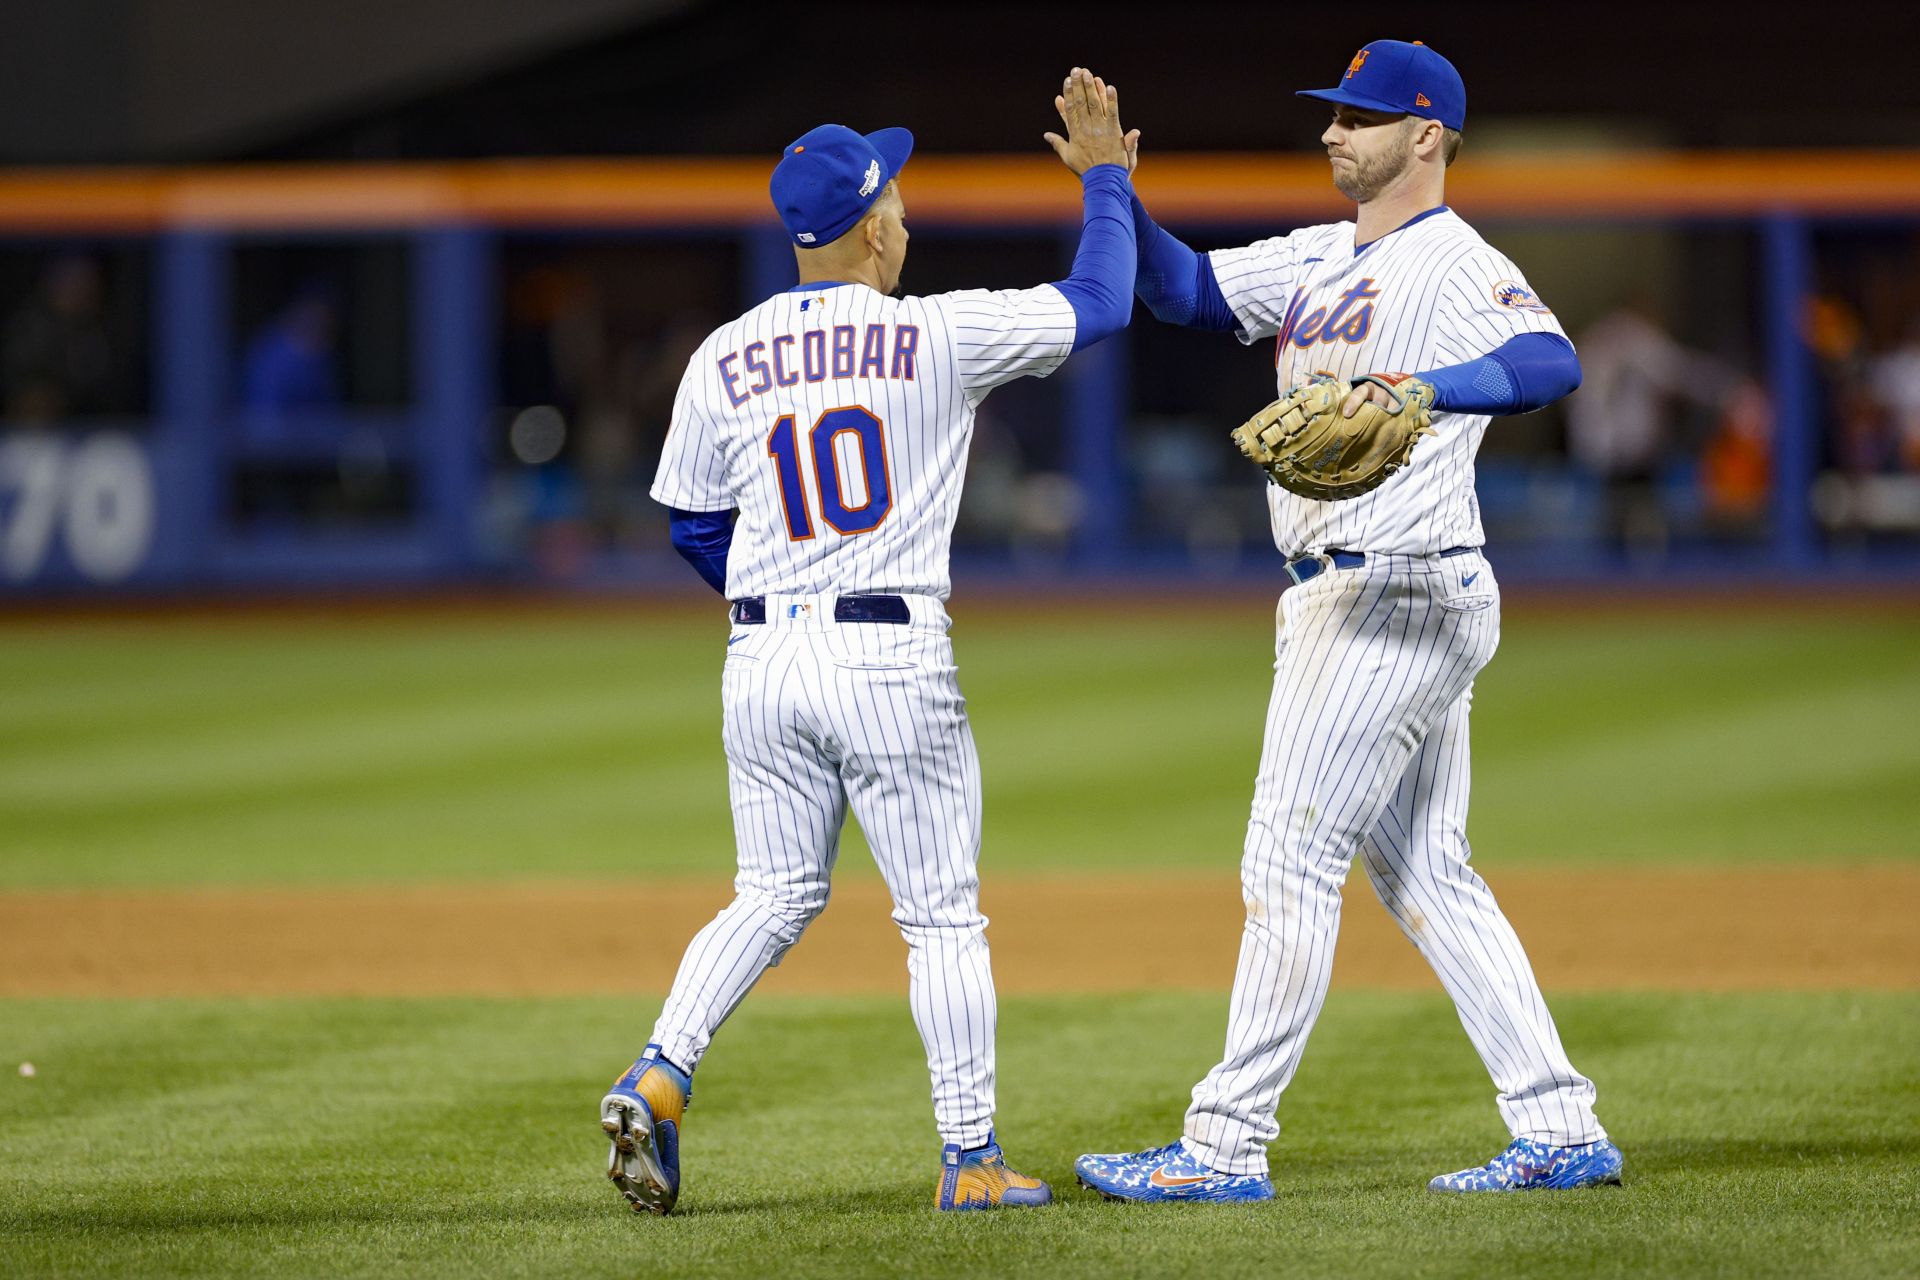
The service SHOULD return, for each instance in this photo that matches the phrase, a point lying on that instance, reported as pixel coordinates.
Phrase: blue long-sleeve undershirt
(1176, 283)
(1100, 286)
(1524, 373)
(703, 538)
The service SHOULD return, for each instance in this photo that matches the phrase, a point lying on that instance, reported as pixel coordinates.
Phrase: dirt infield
(1709, 930)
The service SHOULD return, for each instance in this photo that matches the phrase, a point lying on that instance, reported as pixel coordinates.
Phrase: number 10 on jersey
(823, 446)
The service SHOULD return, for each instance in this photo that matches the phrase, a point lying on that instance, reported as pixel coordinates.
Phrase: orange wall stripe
(965, 189)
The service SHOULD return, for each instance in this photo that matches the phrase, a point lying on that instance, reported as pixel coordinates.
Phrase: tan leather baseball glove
(1306, 447)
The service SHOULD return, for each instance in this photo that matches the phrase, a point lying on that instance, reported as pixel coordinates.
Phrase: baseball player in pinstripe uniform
(1393, 612)
(834, 419)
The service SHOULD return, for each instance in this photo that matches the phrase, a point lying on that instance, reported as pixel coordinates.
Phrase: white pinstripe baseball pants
(820, 714)
(1366, 753)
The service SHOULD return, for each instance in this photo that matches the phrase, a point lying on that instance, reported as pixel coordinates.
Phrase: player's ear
(873, 228)
(1430, 137)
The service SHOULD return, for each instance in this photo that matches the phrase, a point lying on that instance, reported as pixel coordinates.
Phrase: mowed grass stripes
(1765, 1136)
(439, 744)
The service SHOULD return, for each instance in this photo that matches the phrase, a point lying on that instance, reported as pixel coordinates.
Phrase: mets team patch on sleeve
(1511, 293)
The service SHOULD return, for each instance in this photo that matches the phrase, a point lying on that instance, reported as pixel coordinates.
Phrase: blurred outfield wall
(459, 373)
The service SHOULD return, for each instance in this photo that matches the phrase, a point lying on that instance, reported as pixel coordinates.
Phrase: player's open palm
(1089, 107)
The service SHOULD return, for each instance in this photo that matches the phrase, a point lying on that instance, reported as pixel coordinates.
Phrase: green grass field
(422, 747)
(1765, 1136)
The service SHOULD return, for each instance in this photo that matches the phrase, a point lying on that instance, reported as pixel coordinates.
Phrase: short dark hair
(1449, 143)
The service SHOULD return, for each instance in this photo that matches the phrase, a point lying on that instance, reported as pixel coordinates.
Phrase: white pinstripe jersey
(837, 421)
(1428, 295)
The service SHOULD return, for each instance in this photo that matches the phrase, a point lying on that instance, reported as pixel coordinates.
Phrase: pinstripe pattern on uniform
(1369, 662)
(821, 716)
(818, 716)
(1436, 280)
(716, 453)
(1366, 748)
(1417, 858)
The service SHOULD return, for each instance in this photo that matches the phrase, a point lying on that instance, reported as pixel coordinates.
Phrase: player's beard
(1370, 175)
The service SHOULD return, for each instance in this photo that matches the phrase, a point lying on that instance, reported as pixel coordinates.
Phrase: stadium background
(359, 765)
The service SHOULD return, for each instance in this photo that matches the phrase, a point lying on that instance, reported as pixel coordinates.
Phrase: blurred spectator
(1736, 465)
(1864, 330)
(1622, 422)
(315, 467)
(1893, 379)
(1866, 342)
(57, 358)
(1837, 335)
(289, 365)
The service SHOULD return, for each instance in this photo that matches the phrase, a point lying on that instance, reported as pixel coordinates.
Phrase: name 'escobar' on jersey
(845, 351)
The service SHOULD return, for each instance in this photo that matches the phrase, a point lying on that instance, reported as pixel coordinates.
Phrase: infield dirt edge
(1697, 929)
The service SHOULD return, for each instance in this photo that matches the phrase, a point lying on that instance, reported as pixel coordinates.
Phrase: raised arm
(1100, 286)
(1177, 284)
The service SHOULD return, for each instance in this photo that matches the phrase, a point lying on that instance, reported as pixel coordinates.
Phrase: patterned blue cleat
(1166, 1174)
(980, 1179)
(1527, 1165)
(641, 1113)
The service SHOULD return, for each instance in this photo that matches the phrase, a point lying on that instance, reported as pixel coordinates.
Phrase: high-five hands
(1089, 107)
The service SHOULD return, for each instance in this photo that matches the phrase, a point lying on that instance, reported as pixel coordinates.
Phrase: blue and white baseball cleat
(1527, 1165)
(980, 1179)
(1166, 1174)
(641, 1113)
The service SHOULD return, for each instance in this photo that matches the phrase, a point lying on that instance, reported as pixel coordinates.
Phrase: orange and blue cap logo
(1359, 61)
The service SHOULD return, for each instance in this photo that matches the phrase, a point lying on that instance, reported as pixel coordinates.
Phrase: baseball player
(1392, 613)
(834, 420)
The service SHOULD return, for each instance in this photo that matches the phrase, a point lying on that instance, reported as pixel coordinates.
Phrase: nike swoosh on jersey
(734, 640)
(1159, 1178)
(1468, 580)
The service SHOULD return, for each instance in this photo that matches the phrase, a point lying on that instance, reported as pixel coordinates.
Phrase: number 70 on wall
(95, 493)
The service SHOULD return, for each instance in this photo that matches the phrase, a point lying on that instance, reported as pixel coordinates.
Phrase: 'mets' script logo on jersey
(852, 351)
(1348, 320)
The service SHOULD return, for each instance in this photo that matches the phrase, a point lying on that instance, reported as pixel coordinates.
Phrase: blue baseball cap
(829, 177)
(1392, 75)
